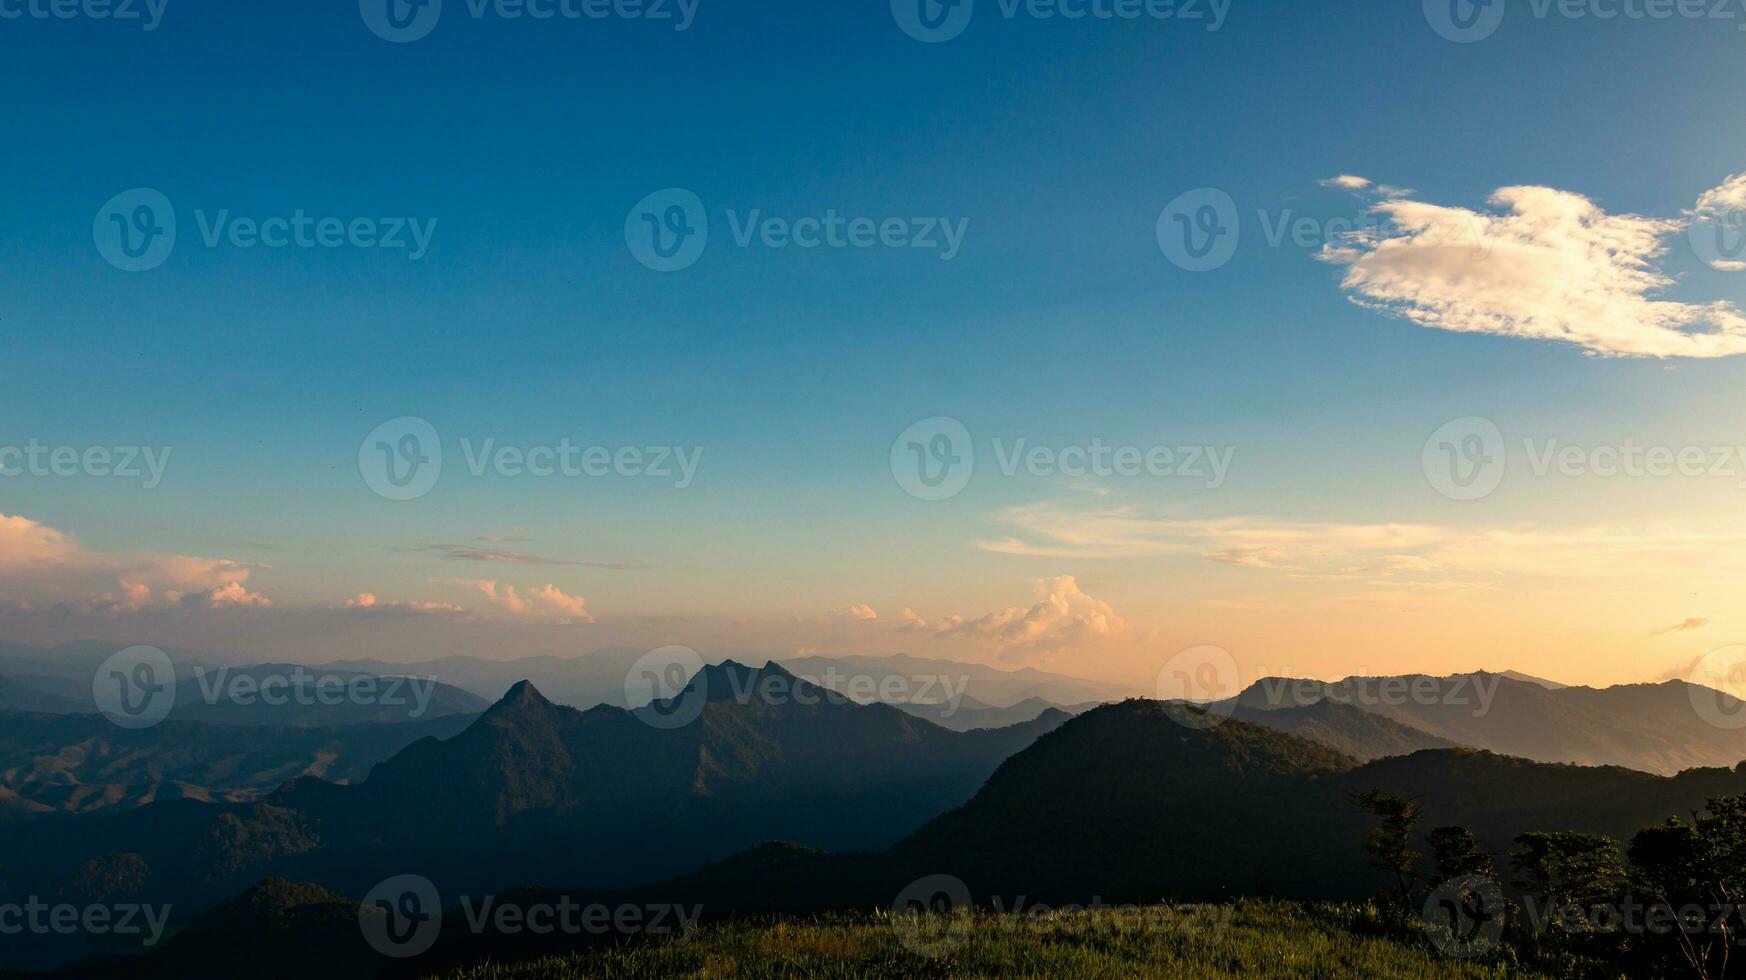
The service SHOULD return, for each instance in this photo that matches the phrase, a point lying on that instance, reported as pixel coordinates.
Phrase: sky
(1398, 347)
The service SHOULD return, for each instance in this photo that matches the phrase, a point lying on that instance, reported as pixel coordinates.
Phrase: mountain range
(1134, 800)
(1651, 727)
(77, 763)
(537, 791)
(1140, 801)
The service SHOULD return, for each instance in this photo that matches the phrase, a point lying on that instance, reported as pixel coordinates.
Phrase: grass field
(1247, 939)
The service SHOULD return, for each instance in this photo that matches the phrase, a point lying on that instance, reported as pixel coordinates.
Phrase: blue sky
(1060, 320)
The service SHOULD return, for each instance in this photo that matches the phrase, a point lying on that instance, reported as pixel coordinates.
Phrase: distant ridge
(1130, 802)
(1649, 727)
(536, 791)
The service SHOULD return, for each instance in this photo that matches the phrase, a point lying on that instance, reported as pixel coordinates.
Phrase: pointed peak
(522, 697)
(731, 680)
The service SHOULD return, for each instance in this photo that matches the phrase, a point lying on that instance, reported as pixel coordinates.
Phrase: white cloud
(39, 564)
(235, 594)
(1551, 266)
(1721, 211)
(1417, 556)
(548, 600)
(573, 608)
(1363, 186)
(504, 596)
(1063, 617)
(1729, 198)
(860, 612)
(367, 602)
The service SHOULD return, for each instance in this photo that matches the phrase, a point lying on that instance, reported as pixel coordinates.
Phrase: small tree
(1389, 845)
(1703, 863)
(1458, 855)
(1570, 871)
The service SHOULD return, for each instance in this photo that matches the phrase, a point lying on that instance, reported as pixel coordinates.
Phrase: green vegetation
(1246, 939)
(1671, 909)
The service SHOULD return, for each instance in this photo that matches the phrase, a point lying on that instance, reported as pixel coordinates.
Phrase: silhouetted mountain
(298, 696)
(599, 678)
(1651, 727)
(928, 681)
(969, 714)
(581, 682)
(1516, 675)
(84, 763)
(275, 930)
(1138, 801)
(534, 791)
(76, 662)
(768, 756)
(1145, 801)
(59, 680)
(40, 694)
(1142, 800)
(1353, 731)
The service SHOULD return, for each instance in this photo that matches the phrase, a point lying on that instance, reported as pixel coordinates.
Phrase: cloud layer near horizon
(39, 564)
(54, 589)
(1403, 555)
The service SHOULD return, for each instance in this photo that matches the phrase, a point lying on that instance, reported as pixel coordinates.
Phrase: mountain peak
(732, 680)
(522, 697)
